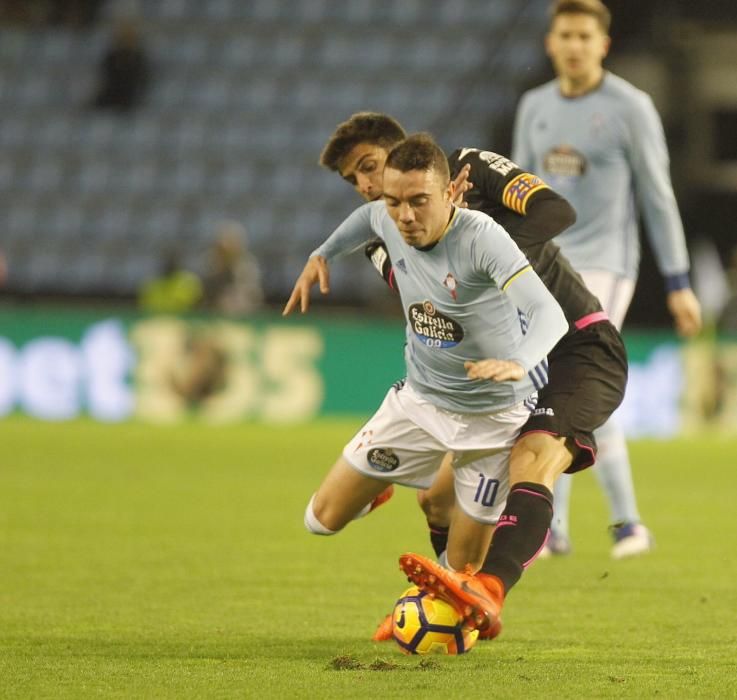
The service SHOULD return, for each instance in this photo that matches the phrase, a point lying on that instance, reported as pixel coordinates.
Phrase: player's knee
(313, 523)
(539, 458)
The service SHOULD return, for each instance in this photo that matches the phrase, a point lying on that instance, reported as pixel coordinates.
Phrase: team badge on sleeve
(519, 190)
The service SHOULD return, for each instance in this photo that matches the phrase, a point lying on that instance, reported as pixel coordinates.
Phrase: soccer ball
(425, 625)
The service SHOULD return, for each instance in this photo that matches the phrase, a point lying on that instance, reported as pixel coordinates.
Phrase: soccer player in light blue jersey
(587, 368)
(599, 142)
(470, 367)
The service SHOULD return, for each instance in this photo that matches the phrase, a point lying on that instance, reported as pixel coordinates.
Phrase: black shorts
(587, 372)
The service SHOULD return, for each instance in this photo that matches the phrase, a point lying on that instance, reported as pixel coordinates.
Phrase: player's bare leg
(479, 600)
(537, 460)
(437, 504)
(540, 458)
(468, 542)
(468, 546)
(344, 495)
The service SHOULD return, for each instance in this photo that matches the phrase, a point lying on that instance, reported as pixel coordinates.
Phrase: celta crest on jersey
(402, 265)
(434, 329)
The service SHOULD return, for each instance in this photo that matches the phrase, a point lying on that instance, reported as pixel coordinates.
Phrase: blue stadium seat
(238, 52)
(287, 50)
(20, 219)
(15, 131)
(57, 46)
(13, 46)
(8, 173)
(94, 177)
(45, 175)
(218, 10)
(170, 9)
(311, 11)
(241, 179)
(53, 134)
(64, 221)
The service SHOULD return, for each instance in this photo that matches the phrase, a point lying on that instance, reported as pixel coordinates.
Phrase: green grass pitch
(172, 562)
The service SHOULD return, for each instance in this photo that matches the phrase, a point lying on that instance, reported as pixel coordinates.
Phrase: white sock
(614, 473)
(312, 523)
(364, 511)
(561, 505)
(443, 561)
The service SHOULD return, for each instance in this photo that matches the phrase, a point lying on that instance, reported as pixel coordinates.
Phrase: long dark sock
(520, 534)
(439, 538)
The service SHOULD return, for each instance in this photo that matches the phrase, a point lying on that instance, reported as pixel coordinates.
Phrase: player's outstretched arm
(351, 235)
(314, 272)
(686, 311)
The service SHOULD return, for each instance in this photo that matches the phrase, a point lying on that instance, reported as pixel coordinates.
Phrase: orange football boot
(480, 603)
(384, 630)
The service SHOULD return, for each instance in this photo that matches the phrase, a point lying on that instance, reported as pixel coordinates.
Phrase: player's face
(577, 46)
(419, 202)
(363, 168)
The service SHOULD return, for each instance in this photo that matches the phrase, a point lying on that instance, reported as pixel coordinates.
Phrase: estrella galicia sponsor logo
(433, 328)
(383, 459)
(564, 161)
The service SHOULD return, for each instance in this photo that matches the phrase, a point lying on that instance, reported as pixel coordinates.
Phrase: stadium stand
(242, 97)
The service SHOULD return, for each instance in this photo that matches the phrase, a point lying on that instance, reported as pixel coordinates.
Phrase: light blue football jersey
(605, 152)
(461, 301)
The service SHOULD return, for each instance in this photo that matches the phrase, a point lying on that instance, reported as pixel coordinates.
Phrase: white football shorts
(405, 442)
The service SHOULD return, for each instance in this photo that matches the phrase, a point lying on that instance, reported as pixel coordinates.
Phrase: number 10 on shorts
(486, 491)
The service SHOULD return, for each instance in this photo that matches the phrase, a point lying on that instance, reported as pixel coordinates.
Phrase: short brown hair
(418, 152)
(594, 8)
(363, 127)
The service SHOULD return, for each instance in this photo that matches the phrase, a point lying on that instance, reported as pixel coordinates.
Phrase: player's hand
(686, 311)
(315, 271)
(461, 186)
(495, 370)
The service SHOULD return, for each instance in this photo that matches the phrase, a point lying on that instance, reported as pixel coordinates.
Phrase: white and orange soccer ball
(425, 625)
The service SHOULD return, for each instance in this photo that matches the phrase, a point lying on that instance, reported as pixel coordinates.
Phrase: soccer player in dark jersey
(587, 368)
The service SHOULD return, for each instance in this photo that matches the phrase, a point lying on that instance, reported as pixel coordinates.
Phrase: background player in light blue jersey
(599, 142)
(469, 365)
